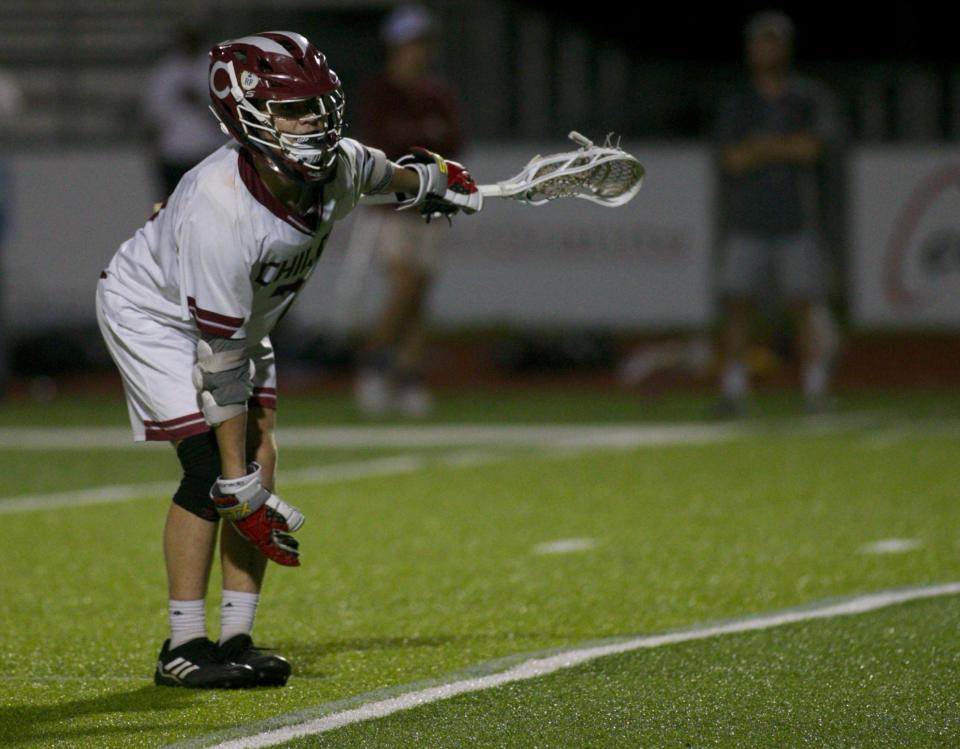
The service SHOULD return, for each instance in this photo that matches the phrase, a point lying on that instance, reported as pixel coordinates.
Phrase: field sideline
(449, 552)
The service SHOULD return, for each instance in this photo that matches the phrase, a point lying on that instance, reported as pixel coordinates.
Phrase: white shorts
(156, 363)
(792, 264)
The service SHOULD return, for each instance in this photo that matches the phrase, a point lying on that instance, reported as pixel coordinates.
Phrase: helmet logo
(221, 93)
(249, 80)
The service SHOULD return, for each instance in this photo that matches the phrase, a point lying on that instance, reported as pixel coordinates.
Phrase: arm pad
(380, 171)
(223, 376)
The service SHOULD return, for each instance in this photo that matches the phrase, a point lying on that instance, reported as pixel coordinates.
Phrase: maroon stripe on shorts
(264, 397)
(174, 422)
(176, 429)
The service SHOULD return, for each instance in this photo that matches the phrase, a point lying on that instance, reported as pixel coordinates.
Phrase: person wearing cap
(405, 105)
(774, 135)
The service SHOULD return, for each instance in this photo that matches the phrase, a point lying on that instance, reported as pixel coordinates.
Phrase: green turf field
(440, 563)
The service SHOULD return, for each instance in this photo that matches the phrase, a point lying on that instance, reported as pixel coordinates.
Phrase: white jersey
(223, 255)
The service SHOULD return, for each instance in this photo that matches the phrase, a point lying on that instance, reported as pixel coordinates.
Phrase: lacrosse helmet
(256, 78)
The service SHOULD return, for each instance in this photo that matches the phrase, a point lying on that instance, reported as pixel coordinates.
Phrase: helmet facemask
(312, 154)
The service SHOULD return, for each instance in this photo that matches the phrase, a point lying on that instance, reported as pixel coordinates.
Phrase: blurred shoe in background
(373, 392)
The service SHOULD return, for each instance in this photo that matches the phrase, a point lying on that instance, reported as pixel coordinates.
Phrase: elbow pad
(381, 171)
(224, 381)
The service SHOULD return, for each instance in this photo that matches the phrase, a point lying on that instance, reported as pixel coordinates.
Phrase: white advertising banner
(905, 231)
(568, 263)
(72, 208)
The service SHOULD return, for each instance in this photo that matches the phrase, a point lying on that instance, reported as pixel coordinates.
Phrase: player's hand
(446, 187)
(260, 516)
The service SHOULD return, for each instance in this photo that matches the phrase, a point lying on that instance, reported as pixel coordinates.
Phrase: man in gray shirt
(773, 135)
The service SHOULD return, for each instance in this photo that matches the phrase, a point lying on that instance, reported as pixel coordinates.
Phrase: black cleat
(271, 670)
(199, 664)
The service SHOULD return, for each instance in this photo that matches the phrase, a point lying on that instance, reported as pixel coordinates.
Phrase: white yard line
(565, 546)
(452, 435)
(416, 695)
(115, 493)
(462, 435)
(562, 439)
(891, 546)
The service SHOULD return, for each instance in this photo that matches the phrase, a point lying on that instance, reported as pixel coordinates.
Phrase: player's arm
(403, 180)
(223, 377)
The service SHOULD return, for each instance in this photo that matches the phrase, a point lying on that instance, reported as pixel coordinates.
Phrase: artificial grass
(415, 576)
(884, 679)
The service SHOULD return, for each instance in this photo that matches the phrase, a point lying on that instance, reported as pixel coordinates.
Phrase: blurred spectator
(11, 106)
(774, 133)
(181, 130)
(402, 107)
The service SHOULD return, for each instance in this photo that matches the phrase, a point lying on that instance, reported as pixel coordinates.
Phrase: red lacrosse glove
(446, 187)
(260, 516)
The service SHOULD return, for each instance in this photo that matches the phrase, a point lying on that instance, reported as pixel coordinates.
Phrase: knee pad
(200, 459)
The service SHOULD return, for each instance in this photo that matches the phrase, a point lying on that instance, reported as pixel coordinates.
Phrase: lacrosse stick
(605, 174)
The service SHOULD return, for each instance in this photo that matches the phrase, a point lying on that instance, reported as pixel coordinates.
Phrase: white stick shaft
(488, 191)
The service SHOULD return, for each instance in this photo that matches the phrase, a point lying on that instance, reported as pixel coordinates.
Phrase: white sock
(236, 613)
(187, 621)
(733, 381)
(815, 380)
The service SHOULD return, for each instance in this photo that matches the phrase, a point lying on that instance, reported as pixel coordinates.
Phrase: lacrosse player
(186, 307)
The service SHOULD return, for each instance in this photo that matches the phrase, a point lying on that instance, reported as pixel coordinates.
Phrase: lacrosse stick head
(605, 174)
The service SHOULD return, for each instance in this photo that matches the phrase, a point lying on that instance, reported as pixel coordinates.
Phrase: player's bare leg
(397, 343)
(412, 395)
(244, 567)
(735, 337)
(817, 343)
(188, 658)
(188, 544)
(407, 290)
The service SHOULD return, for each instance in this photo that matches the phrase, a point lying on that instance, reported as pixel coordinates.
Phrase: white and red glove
(260, 516)
(446, 187)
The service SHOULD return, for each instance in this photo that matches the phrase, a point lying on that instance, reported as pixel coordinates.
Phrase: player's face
(298, 117)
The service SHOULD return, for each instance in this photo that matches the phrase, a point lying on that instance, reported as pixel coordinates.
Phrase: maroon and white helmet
(255, 78)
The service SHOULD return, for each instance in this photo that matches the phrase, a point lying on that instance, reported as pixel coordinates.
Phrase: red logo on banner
(921, 257)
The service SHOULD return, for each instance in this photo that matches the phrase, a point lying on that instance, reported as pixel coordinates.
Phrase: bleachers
(80, 63)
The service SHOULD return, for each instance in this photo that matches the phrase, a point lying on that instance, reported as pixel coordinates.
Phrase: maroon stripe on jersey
(248, 173)
(212, 317)
(213, 322)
